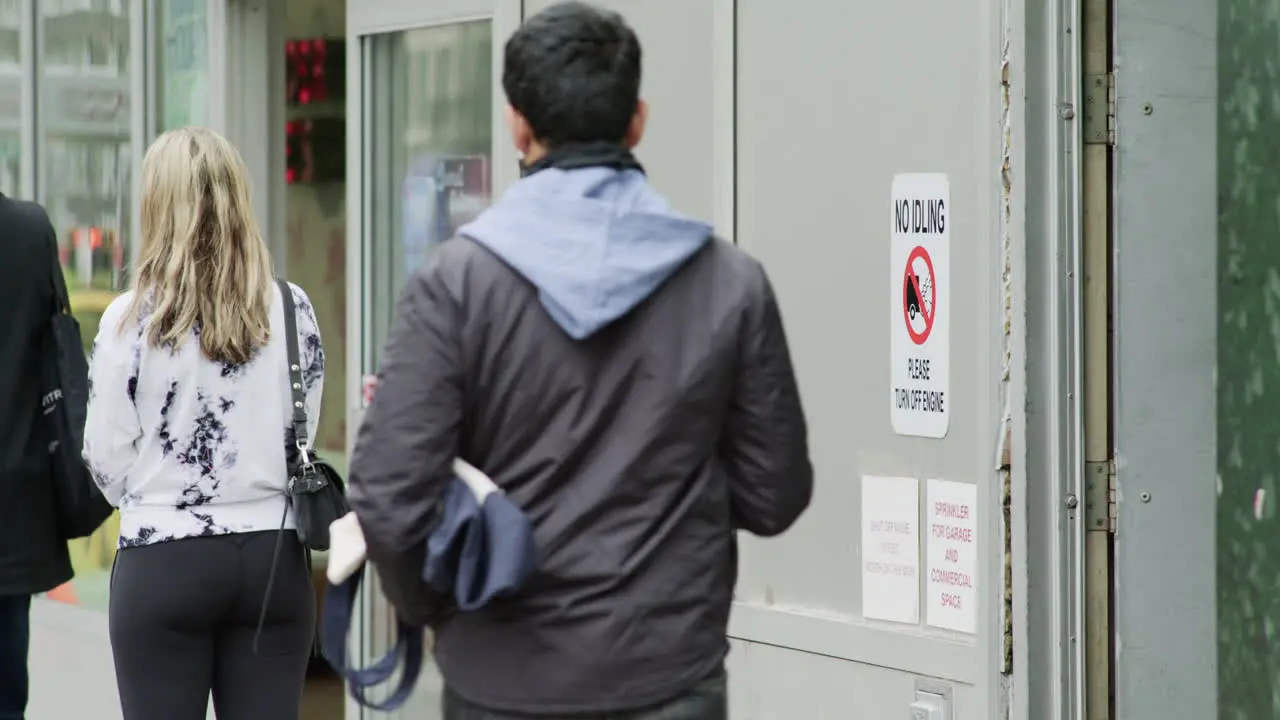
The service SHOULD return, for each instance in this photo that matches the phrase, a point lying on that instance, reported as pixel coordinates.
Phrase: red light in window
(308, 62)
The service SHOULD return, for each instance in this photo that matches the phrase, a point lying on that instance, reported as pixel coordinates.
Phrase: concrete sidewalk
(73, 677)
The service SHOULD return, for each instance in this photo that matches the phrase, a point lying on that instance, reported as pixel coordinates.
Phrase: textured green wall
(1248, 527)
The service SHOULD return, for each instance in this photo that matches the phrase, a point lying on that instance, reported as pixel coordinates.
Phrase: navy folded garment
(482, 548)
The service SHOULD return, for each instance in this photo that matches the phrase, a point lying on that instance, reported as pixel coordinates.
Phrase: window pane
(84, 102)
(315, 198)
(10, 97)
(86, 181)
(182, 55)
(430, 112)
(431, 108)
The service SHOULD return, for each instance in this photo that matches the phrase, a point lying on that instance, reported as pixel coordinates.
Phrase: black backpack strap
(298, 421)
(61, 298)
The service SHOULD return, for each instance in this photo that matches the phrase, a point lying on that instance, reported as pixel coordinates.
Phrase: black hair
(573, 72)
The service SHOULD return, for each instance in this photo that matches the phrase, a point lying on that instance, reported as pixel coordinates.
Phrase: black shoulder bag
(315, 490)
(64, 402)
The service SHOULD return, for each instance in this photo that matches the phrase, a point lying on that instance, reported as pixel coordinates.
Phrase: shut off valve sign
(920, 305)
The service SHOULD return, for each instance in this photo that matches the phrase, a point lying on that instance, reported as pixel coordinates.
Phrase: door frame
(380, 17)
(1047, 444)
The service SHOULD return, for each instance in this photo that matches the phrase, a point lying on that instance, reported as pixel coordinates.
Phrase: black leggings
(183, 617)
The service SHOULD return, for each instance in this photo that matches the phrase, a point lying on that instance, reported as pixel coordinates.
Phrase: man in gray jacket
(622, 375)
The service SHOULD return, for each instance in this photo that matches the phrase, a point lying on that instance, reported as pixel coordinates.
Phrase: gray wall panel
(1166, 255)
(834, 99)
(774, 683)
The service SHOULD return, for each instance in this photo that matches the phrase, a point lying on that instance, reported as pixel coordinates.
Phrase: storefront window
(432, 111)
(85, 184)
(182, 72)
(10, 96)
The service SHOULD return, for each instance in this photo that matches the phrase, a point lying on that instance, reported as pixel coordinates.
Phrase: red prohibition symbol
(919, 295)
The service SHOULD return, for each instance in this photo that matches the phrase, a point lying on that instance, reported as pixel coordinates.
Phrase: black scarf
(583, 155)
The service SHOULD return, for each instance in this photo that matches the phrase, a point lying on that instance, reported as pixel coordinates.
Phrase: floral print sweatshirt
(189, 447)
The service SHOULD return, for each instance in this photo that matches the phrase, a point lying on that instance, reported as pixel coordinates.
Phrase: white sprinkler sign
(952, 554)
(891, 549)
(920, 305)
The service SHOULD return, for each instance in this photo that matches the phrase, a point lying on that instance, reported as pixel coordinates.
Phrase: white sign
(920, 305)
(951, 597)
(891, 549)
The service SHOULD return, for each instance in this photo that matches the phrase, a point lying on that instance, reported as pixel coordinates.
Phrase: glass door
(430, 105)
(426, 154)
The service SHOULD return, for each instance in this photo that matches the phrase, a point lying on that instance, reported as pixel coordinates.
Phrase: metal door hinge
(1100, 109)
(1100, 496)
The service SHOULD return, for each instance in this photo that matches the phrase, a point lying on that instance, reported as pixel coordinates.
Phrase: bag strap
(298, 419)
(297, 390)
(61, 298)
(339, 605)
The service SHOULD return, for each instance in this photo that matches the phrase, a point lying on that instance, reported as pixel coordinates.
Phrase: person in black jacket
(621, 374)
(33, 556)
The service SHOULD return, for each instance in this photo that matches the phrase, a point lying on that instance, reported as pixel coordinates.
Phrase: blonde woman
(186, 434)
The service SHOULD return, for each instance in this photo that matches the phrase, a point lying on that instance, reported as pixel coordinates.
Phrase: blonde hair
(203, 264)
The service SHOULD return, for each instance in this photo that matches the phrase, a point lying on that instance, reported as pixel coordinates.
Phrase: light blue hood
(595, 241)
